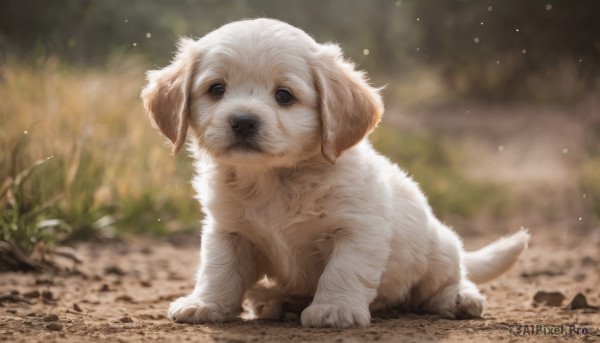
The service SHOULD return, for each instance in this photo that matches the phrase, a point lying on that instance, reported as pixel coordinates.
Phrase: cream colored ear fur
(350, 107)
(166, 97)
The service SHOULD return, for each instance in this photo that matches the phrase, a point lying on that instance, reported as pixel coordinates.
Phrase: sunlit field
(80, 159)
(81, 163)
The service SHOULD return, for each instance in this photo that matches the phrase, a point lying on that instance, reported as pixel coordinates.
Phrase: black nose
(244, 125)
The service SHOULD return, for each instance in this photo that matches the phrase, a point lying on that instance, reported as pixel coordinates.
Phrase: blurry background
(493, 106)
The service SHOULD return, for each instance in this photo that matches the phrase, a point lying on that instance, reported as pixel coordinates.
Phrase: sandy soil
(120, 292)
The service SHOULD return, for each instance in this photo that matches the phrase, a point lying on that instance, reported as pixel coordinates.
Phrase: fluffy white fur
(314, 217)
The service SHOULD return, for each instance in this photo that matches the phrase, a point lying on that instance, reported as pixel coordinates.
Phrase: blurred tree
(486, 50)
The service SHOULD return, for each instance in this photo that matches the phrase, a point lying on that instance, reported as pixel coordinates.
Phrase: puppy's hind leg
(264, 301)
(267, 300)
(452, 294)
(461, 300)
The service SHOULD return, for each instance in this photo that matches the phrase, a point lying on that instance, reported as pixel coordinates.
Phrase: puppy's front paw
(192, 310)
(335, 316)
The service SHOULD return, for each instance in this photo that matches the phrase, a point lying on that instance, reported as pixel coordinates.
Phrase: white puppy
(294, 194)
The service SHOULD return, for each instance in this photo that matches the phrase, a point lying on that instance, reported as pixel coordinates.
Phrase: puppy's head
(261, 93)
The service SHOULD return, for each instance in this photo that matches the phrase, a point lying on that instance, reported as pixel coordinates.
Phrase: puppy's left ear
(166, 97)
(350, 107)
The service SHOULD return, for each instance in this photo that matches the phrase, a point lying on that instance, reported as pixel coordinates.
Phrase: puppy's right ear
(166, 97)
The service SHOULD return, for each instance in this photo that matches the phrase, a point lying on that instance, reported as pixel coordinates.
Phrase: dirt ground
(121, 290)
(120, 293)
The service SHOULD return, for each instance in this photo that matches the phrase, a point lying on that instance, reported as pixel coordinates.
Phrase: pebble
(54, 327)
(32, 294)
(549, 298)
(580, 302)
(125, 298)
(126, 320)
(51, 318)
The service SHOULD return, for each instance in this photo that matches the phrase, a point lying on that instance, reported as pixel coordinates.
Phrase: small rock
(125, 298)
(104, 288)
(11, 311)
(33, 294)
(54, 327)
(549, 298)
(126, 320)
(580, 302)
(145, 283)
(51, 318)
(77, 308)
(114, 270)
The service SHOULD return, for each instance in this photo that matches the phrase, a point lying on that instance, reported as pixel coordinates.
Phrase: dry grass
(101, 167)
(78, 157)
(104, 167)
(590, 185)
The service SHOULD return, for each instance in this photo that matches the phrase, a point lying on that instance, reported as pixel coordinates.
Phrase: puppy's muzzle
(244, 127)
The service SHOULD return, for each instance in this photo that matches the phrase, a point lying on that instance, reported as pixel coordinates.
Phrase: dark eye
(284, 96)
(217, 90)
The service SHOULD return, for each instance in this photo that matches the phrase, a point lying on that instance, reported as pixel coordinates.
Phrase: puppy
(295, 196)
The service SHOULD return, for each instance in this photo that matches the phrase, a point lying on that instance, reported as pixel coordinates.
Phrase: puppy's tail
(491, 261)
